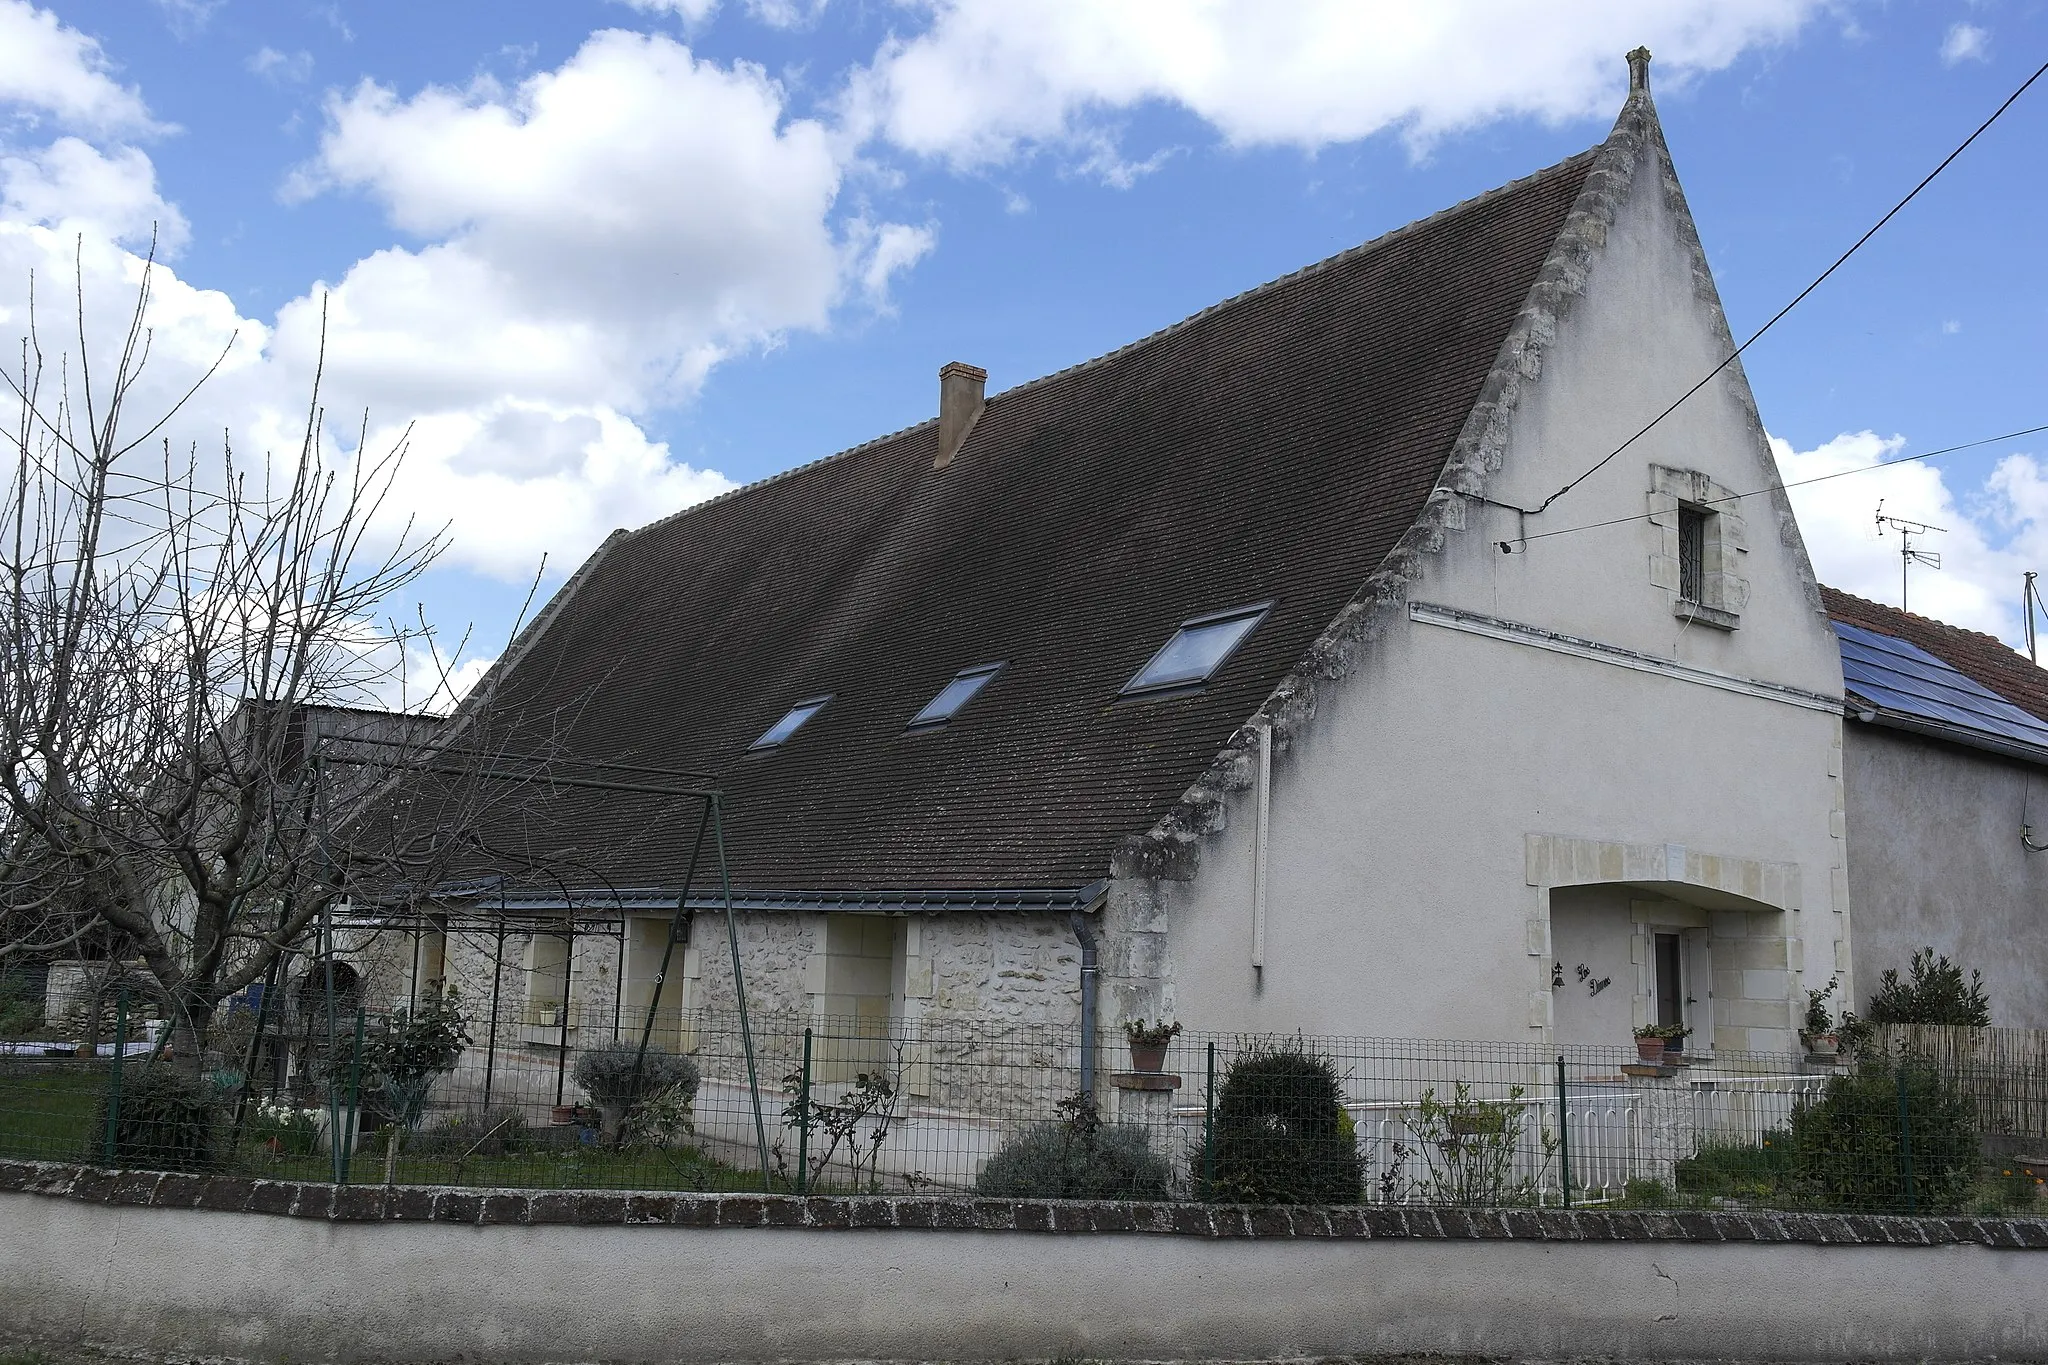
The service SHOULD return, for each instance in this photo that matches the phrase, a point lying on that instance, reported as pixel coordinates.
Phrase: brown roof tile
(1274, 447)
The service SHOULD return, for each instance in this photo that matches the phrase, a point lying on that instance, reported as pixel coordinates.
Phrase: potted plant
(1148, 1043)
(549, 1016)
(1674, 1043)
(1650, 1044)
(1818, 1034)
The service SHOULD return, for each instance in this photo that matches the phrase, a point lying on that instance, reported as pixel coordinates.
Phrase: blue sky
(614, 256)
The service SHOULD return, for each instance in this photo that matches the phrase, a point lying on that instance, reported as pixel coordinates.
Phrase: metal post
(1906, 1142)
(355, 1098)
(739, 983)
(325, 938)
(1209, 1128)
(678, 932)
(114, 1075)
(803, 1131)
(255, 1050)
(619, 980)
(568, 978)
(1564, 1134)
(497, 975)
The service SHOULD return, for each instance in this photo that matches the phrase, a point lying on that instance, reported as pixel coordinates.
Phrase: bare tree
(175, 626)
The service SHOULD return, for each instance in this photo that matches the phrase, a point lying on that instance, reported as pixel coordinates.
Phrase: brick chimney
(960, 404)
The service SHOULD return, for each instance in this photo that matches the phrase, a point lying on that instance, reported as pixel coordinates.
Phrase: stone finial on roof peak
(1639, 70)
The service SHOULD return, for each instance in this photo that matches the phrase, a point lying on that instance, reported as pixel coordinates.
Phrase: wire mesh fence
(873, 1104)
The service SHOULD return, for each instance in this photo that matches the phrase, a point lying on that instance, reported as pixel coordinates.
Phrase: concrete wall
(189, 1283)
(1936, 860)
(1443, 781)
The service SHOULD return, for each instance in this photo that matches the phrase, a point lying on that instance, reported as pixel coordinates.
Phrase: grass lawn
(46, 1109)
(46, 1114)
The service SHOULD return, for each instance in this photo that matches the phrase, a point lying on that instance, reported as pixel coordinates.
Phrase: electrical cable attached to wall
(1798, 299)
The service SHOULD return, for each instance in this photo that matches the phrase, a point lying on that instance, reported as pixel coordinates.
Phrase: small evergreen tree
(1936, 994)
(1281, 1133)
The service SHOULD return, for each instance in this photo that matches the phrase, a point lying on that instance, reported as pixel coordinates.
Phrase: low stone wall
(183, 1266)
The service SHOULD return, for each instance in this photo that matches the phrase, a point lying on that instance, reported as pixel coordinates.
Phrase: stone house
(1361, 655)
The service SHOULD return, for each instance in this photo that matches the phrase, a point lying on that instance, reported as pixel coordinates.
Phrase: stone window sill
(1700, 614)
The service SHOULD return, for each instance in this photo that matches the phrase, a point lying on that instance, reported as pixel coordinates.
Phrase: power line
(1507, 546)
(1821, 279)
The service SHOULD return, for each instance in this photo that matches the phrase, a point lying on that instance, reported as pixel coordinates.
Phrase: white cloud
(73, 186)
(887, 251)
(986, 81)
(49, 69)
(689, 11)
(188, 17)
(1950, 327)
(1991, 532)
(609, 229)
(787, 13)
(586, 246)
(1965, 43)
(281, 68)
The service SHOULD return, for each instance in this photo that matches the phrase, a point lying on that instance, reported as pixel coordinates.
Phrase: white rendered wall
(1400, 895)
(1958, 881)
(185, 1284)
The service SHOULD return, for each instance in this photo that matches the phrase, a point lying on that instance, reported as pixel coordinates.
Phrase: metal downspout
(1086, 938)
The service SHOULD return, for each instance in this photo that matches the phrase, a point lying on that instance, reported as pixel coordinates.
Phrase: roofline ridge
(1303, 272)
(1890, 610)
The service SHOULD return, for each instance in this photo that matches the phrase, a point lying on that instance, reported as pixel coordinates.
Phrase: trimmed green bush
(168, 1121)
(1851, 1149)
(1281, 1134)
(1078, 1158)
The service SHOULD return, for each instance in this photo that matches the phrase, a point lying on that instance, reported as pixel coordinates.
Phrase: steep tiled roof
(1274, 447)
(1984, 659)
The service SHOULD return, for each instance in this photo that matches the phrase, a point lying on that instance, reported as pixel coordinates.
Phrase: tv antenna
(2030, 605)
(1908, 556)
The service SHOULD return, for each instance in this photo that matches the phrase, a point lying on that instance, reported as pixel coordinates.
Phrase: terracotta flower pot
(1148, 1057)
(1650, 1050)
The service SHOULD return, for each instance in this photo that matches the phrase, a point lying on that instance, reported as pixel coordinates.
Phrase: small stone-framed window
(1698, 547)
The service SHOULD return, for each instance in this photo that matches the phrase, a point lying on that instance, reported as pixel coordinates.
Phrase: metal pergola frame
(632, 779)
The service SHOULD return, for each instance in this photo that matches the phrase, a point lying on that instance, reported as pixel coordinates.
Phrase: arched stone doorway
(1631, 934)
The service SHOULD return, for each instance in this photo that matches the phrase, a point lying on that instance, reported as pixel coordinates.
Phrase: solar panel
(1904, 678)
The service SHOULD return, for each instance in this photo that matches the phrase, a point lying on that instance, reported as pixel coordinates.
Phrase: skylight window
(791, 722)
(1197, 650)
(964, 687)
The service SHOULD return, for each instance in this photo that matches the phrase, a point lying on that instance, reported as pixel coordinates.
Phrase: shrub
(417, 1045)
(1733, 1170)
(1847, 1147)
(1080, 1157)
(1936, 994)
(168, 1121)
(618, 1079)
(493, 1132)
(1280, 1135)
(1469, 1148)
(21, 1011)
